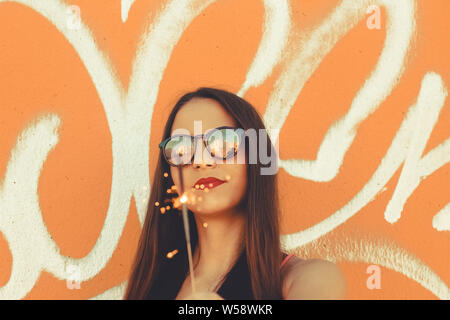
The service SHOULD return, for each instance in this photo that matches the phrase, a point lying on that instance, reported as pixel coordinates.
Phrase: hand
(203, 295)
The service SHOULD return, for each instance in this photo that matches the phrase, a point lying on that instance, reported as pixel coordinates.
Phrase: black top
(172, 273)
(237, 284)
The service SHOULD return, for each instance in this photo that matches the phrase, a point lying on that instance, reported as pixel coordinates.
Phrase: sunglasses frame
(204, 137)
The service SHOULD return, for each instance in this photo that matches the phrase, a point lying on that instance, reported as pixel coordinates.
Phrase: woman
(233, 213)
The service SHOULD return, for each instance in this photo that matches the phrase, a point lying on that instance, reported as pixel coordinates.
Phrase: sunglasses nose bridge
(201, 154)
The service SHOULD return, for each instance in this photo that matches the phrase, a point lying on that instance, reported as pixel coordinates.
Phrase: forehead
(209, 112)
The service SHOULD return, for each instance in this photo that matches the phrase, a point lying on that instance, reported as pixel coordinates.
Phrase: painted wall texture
(358, 89)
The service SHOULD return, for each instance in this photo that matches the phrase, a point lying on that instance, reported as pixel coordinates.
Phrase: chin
(210, 209)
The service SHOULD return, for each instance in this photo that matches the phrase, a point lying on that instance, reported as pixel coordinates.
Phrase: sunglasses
(222, 143)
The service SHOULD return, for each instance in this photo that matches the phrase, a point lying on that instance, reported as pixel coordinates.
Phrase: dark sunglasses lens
(223, 143)
(179, 150)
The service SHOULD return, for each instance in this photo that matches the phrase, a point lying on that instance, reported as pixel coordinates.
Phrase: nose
(202, 158)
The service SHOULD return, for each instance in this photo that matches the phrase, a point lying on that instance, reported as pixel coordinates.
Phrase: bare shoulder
(312, 279)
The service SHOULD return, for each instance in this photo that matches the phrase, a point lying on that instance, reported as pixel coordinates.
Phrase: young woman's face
(216, 199)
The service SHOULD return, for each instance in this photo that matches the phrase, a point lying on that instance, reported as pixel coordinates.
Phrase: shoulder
(312, 279)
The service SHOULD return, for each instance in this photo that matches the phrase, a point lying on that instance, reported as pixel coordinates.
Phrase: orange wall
(363, 112)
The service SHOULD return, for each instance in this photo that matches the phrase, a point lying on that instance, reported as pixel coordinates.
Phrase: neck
(219, 242)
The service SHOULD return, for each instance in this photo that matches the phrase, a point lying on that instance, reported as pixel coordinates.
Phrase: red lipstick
(209, 182)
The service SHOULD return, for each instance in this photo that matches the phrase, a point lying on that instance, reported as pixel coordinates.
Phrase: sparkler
(183, 201)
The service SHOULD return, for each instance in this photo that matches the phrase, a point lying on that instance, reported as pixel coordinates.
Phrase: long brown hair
(153, 275)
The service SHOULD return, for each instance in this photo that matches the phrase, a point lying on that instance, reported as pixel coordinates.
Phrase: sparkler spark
(172, 253)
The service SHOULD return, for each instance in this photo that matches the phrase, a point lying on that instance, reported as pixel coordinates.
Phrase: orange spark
(172, 253)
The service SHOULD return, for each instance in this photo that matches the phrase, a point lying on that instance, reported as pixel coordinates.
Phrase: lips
(209, 182)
